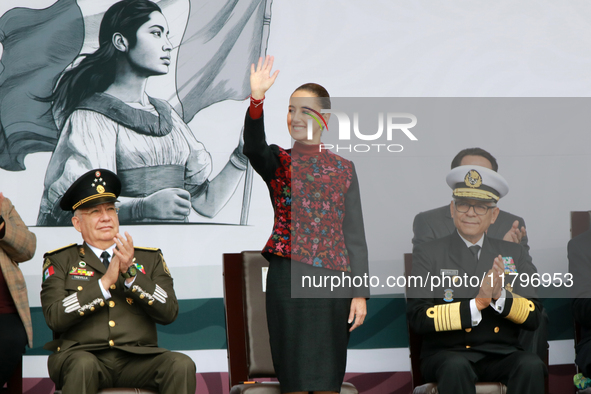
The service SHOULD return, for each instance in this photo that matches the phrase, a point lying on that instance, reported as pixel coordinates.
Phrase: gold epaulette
(520, 309)
(446, 317)
(148, 249)
(58, 250)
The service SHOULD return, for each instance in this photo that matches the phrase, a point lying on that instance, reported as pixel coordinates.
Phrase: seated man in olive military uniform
(103, 299)
(470, 320)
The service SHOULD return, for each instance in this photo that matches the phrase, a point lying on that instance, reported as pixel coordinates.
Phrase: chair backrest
(579, 223)
(415, 341)
(258, 349)
(249, 353)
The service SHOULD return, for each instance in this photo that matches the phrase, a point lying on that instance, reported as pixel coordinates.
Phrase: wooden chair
(249, 352)
(415, 343)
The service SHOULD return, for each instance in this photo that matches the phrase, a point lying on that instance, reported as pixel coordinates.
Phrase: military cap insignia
(473, 179)
(100, 189)
(92, 188)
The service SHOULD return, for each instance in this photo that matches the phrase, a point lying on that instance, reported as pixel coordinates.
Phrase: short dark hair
(474, 152)
(318, 91)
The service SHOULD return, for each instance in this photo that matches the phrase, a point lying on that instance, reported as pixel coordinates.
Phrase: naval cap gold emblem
(473, 179)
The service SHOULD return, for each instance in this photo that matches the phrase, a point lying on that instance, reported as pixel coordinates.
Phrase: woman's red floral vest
(308, 195)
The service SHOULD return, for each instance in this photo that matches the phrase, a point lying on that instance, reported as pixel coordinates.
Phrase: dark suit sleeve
(423, 314)
(154, 291)
(354, 233)
(579, 265)
(521, 305)
(525, 312)
(262, 157)
(524, 239)
(422, 230)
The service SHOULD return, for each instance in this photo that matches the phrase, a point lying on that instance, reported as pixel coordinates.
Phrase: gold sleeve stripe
(446, 317)
(520, 309)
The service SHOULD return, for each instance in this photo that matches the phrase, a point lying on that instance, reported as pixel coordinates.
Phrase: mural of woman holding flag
(108, 121)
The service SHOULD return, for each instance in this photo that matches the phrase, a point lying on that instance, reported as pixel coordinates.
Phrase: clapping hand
(123, 253)
(491, 286)
(515, 234)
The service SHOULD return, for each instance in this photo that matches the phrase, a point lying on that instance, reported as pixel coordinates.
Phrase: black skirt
(308, 336)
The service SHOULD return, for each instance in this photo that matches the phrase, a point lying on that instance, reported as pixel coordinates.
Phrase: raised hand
(260, 77)
(515, 234)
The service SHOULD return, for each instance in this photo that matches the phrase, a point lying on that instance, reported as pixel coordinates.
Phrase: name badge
(446, 272)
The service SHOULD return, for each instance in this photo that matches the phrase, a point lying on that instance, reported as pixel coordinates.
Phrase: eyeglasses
(479, 209)
(96, 212)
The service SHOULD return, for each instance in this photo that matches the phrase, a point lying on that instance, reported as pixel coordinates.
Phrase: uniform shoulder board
(58, 250)
(148, 249)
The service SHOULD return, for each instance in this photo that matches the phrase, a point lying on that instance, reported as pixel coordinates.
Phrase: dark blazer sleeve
(524, 239)
(263, 158)
(521, 304)
(423, 313)
(18, 242)
(422, 230)
(525, 312)
(354, 234)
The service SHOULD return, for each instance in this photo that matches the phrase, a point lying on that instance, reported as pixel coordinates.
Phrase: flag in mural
(220, 41)
(38, 45)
